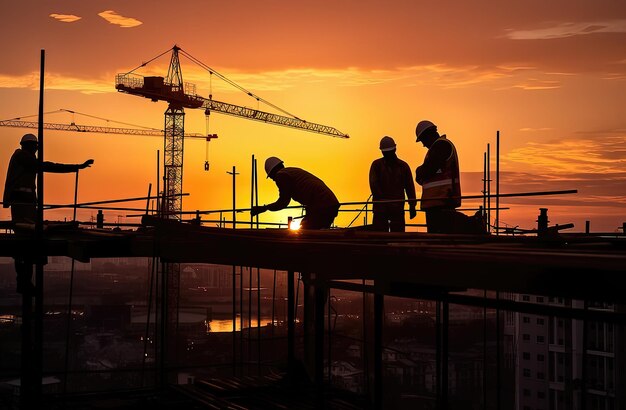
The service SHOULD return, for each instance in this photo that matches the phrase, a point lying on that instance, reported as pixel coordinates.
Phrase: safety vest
(443, 189)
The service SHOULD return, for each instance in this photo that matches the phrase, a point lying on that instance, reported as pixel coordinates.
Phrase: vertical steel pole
(38, 348)
(158, 180)
(485, 184)
(497, 183)
(252, 176)
(256, 190)
(234, 206)
(488, 188)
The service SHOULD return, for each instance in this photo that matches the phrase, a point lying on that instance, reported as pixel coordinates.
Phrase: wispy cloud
(533, 84)
(119, 20)
(569, 29)
(442, 75)
(66, 18)
(57, 82)
(530, 129)
(598, 155)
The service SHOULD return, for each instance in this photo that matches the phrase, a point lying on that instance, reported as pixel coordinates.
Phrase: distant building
(550, 368)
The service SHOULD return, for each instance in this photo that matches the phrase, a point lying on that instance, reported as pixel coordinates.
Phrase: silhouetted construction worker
(320, 203)
(20, 195)
(440, 179)
(390, 179)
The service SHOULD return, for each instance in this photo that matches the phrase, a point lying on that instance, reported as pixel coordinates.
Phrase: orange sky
(551, 76)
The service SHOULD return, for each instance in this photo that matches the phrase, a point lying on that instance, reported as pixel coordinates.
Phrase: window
(541, 358)
(540, 339)
(539, 299)
(526, 337)
(541, 375)
(526, 372)
(540, 321)
(526, 319)
(526, 356)
(526, 298)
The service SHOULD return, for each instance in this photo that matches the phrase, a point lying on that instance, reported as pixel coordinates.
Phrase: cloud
(533, 84)
(602, 154)
(529, 129)
(66, 18)
(114, 18)
(569, 29)
(442, 75)
(57, 82)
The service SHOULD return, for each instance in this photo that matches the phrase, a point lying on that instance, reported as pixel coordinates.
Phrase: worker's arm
(284, 187)
(375, 181)
(409, 188)
(436, 158)
(65, 168)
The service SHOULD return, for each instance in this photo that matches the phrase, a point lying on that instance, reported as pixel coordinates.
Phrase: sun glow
(294, 225)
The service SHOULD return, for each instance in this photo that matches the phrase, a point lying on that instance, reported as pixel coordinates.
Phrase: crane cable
(222, 77)
(149, 61)
(234, 84)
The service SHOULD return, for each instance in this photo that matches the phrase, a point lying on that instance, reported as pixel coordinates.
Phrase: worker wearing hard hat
(390, 179)
(440, 179)
(20, 195)
(320, 203)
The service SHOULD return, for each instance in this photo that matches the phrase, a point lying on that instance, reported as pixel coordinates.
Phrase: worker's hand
(257, 210)
(86, 164)
(412, 212)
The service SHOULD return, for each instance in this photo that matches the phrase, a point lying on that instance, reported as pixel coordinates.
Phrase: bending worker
(390, 178)
(439, 178)
(20, 195)
(320, 204)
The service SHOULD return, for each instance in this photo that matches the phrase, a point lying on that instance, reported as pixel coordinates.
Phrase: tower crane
(180, 95)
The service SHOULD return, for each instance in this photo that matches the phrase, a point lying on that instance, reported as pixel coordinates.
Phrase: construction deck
(575, 265)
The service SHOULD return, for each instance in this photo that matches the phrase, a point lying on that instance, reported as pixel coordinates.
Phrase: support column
(291, 331)
(379, 300)
(320, 301)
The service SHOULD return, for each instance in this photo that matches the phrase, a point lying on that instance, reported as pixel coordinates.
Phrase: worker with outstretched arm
(390, 179)
(320, 203)
(20, 195)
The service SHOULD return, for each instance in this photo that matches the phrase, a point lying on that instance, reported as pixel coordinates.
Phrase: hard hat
(423, 126)
(271, 163)
(28, 138)
(387, 144)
